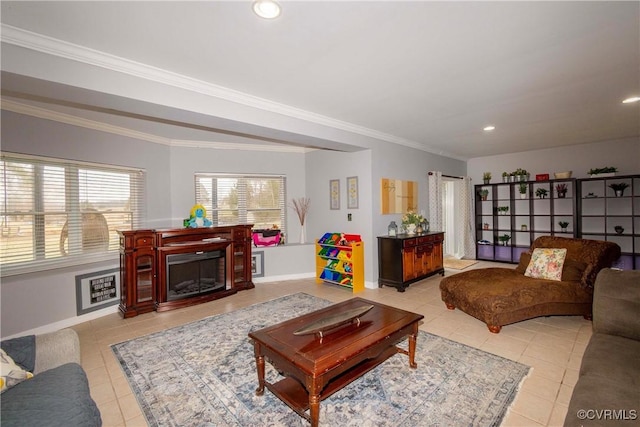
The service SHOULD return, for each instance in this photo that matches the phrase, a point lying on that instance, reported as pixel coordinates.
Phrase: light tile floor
(553, 346)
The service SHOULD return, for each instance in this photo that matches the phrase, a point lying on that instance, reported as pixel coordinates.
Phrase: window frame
(243, 209)
(70, 180)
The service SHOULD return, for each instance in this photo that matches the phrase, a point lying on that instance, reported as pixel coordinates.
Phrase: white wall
(623, 154)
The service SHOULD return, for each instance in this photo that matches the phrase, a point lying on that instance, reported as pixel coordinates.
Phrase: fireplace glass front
(190, 274)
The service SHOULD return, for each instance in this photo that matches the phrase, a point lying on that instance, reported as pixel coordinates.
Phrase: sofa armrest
(55, 349)
(616, 303)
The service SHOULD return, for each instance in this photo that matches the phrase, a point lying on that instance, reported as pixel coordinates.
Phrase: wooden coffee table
(314, 367)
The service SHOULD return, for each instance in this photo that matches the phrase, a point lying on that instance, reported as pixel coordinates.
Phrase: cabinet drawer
(143, 240)
(409, 243)
(426, 239)
(424, 249)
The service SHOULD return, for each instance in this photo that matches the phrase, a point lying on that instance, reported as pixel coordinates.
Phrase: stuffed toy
(199, 217)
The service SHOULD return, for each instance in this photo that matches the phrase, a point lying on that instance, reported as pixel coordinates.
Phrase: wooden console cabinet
(143, 267)
(407, 258)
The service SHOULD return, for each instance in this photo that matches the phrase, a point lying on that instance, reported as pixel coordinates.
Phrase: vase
(411, 228)
(619, 193)
(302, 238)
(419, 229)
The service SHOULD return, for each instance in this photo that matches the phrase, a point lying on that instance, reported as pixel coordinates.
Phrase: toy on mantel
(199, 217)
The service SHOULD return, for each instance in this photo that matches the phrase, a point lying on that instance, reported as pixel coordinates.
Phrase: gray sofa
(608, 389)
(58, 394)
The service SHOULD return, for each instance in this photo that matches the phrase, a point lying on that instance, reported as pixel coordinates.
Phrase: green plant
(606, 169)
(483, 193)
(541, 192)
(486, 176)
(504, 209)
(520, 171)
(505, 174)
(504, 238)
(522, 187)
(618, 186)
(563, 224)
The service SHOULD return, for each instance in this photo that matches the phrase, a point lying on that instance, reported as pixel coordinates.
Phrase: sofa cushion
(572, 270)
(10, 373)
(546, 263)
(606, 354)
(22, 350)
(57, 397)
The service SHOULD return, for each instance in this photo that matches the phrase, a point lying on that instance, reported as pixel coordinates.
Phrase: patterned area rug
(203, 374)
(458, 264)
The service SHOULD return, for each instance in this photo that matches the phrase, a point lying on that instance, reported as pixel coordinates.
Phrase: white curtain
(435, 201)
(465, 242)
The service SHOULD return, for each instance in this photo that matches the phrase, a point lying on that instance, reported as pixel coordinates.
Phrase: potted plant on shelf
(563, 226)
(486, 177)
(602, 172)
(618, 188)
(483, 194)
(502, 210)
(619, 229)
(521, 174)
(505, 176)
(522, 188)
(561, 189)
(541, 193)
(504, 239)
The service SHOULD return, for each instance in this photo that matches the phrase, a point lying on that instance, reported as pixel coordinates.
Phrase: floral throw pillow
(546, 264)
(12, 374)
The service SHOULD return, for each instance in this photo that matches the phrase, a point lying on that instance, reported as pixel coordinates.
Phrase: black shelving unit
(601, 211)
(522, 216)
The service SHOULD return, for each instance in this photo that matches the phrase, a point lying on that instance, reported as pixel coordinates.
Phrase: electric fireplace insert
(199, 273)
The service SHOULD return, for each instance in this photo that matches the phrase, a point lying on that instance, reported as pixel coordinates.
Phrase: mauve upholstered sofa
(608, 389)
(501, 296)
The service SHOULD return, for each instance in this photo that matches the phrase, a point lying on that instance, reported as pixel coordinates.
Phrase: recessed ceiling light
(268, 9)
(490, 127)
(632, 99)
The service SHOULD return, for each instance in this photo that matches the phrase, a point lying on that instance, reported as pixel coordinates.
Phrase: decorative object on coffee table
(328, 323)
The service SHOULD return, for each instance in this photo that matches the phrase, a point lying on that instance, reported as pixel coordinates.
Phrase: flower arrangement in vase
(413, 222)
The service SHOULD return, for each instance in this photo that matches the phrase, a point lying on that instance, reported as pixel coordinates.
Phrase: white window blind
(59, 212)
(243, 199)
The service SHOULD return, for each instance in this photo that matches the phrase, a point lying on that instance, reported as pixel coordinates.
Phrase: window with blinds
(243, 199)
(59, 212)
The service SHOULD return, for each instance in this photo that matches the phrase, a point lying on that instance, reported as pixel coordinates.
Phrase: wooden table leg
(260, 367)
(412, 347)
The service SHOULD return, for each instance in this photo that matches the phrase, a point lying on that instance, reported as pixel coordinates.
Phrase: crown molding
(49, 45)
(43, 113)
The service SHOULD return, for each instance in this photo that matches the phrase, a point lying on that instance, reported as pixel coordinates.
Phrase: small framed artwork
(352, 192)
(334, 194)
(257, 264)
(97, 290)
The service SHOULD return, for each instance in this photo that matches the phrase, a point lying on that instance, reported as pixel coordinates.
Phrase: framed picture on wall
(257, 263)
(334, 194)
(97, 290)
(352, 192)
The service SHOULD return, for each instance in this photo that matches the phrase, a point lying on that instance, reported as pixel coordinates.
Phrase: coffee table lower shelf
(296, 396)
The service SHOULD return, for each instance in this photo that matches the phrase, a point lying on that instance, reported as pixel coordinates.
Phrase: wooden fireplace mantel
(143, 264)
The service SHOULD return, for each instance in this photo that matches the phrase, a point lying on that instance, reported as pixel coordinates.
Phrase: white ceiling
(431, 74)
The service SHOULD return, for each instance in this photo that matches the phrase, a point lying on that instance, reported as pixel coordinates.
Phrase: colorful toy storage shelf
(340, 260)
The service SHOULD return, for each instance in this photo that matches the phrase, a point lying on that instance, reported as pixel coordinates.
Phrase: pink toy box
(266, 237)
